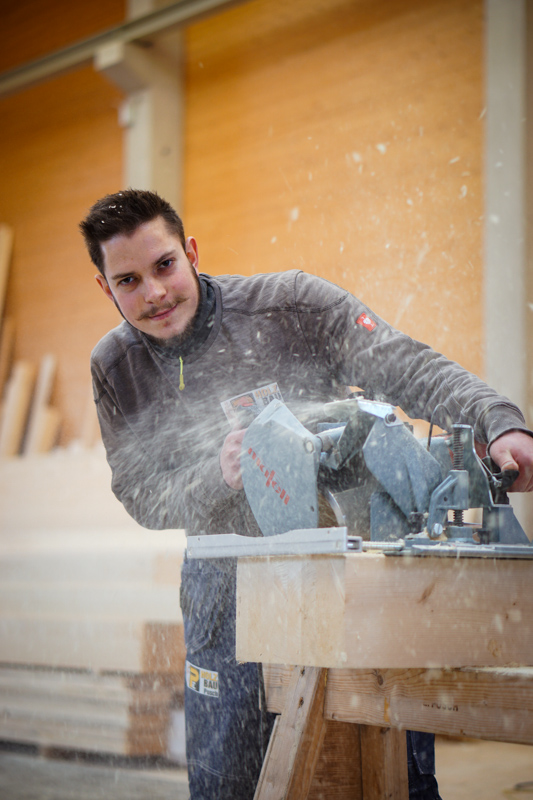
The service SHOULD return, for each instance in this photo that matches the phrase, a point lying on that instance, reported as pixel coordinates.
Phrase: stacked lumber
(103, 604)
(91, 635)
(126, 715)
(28, 423)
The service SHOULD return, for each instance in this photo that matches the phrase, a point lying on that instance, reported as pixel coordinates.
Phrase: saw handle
(499, 481)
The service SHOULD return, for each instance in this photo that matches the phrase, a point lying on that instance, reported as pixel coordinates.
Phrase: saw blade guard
(279, 464)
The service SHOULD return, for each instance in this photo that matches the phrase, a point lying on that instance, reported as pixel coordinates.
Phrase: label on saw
(201, 681)
(253, 401)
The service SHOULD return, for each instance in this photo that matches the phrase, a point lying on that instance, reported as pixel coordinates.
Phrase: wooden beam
(484, 703)
(490, 703)
(180, 13)
(367, 610)
(296, 740)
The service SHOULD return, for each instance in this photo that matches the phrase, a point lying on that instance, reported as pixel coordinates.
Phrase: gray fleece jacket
(308, 336)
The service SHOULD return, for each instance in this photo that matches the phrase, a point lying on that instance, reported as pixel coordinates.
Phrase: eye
(166, 263)
(128, 281)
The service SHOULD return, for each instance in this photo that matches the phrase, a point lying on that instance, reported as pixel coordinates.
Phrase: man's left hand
(514, 450)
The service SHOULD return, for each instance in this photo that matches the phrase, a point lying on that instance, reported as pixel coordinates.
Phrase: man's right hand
(230, 458)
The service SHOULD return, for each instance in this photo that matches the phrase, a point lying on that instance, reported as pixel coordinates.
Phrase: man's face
(152, 279)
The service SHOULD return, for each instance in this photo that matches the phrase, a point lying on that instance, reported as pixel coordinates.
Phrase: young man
(190, 347)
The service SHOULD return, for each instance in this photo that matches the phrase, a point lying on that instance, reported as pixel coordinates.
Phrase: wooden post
(384, 763)
(296, 740)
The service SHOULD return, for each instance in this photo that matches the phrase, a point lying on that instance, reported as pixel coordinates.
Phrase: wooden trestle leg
(311, 758)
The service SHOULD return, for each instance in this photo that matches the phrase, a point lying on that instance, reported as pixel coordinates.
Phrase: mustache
(149, 314)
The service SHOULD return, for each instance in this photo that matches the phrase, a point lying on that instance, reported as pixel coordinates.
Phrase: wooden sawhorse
(368, 626)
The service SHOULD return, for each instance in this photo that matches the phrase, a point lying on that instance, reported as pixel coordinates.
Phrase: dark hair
(122, 213)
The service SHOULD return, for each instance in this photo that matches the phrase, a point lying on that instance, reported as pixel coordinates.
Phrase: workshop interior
(385, 145)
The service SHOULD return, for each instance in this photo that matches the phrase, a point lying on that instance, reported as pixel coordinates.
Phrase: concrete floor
(25, 775)
(478, 770)
(467, 770)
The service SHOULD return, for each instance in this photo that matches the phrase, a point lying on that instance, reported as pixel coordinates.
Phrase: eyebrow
(120, 275)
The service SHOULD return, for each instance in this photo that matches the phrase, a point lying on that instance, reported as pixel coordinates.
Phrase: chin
(173, 339)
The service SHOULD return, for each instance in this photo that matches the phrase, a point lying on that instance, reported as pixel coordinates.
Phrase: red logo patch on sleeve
(366, 322)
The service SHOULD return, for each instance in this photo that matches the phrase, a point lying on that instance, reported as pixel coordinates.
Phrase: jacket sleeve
(160, 494)
(364, 351)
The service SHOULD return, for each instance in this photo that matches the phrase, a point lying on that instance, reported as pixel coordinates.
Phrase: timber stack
(91, 653)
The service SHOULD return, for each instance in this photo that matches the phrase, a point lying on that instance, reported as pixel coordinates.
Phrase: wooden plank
(40, 417)
(72, 599)
(15, 408)
(150, 740)
(384, 763)
(119, 715)
(93, 643)
(296, 740)
(385, 612)
(82, 692)
(45, 430)
(7, 341)
(6, 247)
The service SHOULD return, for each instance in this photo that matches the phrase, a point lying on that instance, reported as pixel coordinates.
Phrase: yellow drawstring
(182, 382)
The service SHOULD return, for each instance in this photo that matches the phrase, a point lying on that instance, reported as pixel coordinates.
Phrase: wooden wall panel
(341, 136)
(33, 28)
(345, 137)
(60, 149)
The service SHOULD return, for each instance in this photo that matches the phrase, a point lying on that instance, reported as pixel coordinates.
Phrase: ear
(104, 286)
(191, 251)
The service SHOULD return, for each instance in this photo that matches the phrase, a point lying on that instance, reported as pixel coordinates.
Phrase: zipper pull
(182, 382)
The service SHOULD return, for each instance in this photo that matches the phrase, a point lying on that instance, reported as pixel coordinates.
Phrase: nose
(154, 290)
